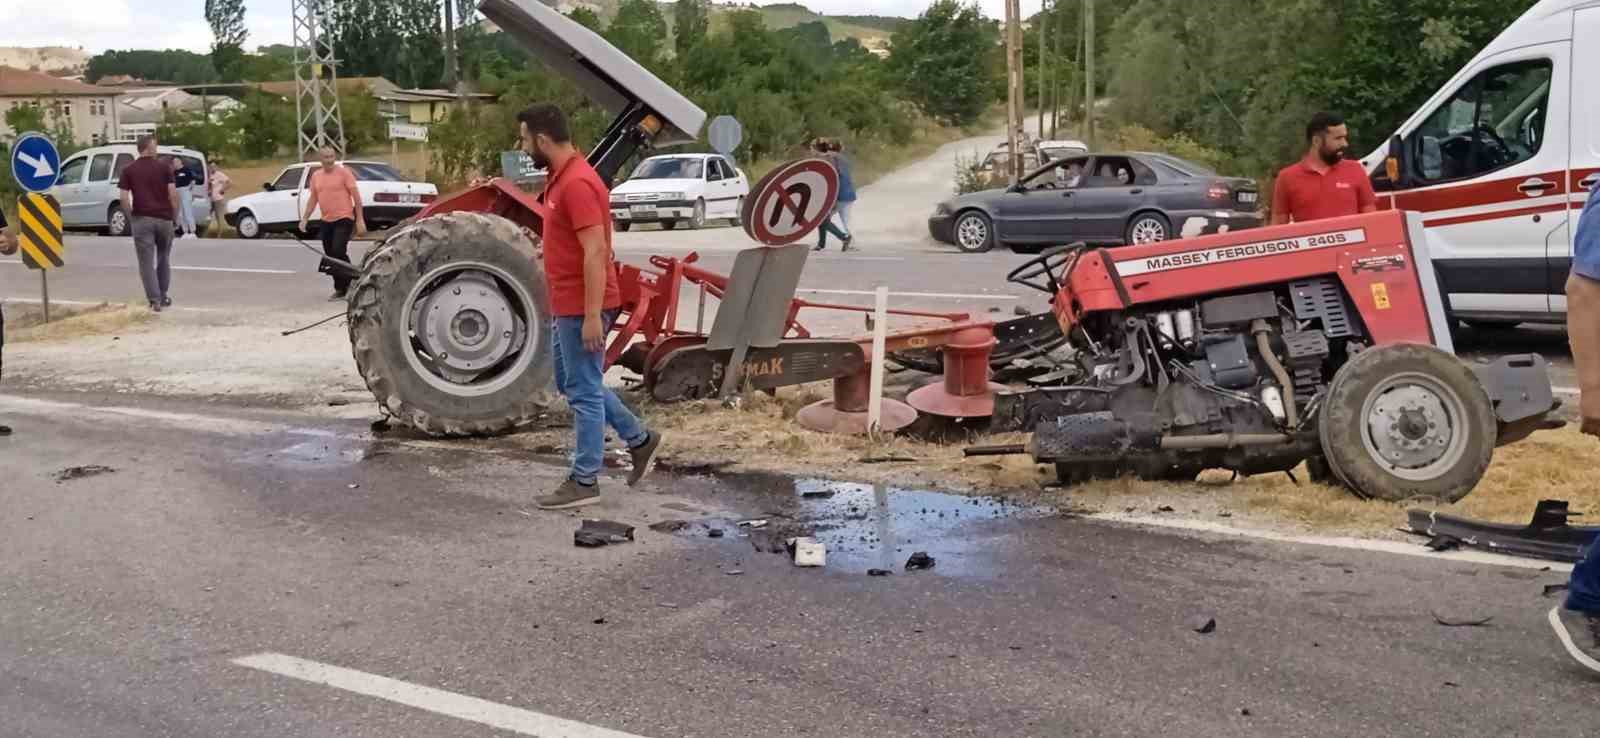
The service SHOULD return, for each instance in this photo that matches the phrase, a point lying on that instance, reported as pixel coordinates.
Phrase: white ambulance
(1500, 161)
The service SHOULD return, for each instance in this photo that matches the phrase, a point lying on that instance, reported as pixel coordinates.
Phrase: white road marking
(460, 706)
(96, 303)
(1359, 544)
(1565, 390)
(179, 268)
(232, 269)
(936, 295)
(858, 258)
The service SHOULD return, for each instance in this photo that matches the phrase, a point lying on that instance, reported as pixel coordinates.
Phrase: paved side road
(253, 574)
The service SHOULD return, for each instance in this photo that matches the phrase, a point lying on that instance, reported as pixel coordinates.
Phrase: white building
(89, 111)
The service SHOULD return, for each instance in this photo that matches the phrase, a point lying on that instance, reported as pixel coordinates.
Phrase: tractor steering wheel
(1046, 265)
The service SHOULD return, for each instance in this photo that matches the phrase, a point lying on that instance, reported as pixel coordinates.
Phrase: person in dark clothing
(831, 150)
(333, 191)
(8, 246)
(150, 195)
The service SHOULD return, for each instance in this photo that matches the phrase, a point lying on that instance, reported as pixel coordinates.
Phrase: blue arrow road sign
(34, 162)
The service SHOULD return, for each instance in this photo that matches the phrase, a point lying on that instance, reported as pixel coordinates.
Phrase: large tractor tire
(1407, 421)
(450, 327)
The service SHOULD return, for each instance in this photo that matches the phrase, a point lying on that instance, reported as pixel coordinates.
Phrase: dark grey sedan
(1108, 199)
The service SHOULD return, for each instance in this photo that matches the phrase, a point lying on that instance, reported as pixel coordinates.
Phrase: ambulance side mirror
(1397, 164)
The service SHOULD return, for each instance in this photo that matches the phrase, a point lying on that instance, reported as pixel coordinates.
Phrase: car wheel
(117, 221)
(248, 226)
(698, 219)
(623, 226)
(667, 225)
(974, 232)
(1149, 228)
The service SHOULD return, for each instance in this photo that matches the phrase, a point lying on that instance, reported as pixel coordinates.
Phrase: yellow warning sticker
(1380, 295)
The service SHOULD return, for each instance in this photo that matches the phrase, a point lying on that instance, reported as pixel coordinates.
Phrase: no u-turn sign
(791, 202)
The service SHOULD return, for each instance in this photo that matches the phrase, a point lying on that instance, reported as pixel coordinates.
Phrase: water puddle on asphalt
(866, 526)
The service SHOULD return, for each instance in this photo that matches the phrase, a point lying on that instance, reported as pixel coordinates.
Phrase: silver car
(91, 199)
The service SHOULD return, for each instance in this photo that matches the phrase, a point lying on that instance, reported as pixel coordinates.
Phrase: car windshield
(374, 172)
(673, 168)
(1062, 152)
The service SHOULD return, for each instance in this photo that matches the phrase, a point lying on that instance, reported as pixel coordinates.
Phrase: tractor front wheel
(1407, 421)
(450, 327)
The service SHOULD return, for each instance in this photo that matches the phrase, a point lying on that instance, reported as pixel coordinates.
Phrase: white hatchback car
(386, 199)
(680, 188)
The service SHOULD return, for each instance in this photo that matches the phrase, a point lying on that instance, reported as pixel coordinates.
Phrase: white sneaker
(190, 235)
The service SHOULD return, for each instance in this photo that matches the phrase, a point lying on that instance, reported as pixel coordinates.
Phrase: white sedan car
(680, 188)
(386, 199)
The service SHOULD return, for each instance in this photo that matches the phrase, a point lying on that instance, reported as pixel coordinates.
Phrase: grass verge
(25, 323)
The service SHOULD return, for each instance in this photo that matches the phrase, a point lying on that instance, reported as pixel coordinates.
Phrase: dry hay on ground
(25, 323)
(762, 435)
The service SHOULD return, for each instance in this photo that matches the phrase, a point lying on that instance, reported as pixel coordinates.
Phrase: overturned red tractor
(1323, 342)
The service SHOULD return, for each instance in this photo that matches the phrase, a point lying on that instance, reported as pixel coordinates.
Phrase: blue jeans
(1583, 590)
(580, 375)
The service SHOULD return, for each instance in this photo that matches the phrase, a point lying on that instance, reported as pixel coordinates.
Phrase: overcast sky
(97, 25)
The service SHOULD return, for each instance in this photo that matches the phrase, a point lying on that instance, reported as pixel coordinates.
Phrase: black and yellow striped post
(39, 235)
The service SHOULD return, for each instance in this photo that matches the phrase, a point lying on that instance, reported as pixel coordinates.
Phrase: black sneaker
(1579, 633)
(644, 458)
(166, 302)
(847, 241)
(155, 306)
(5, 430)
(570, 494)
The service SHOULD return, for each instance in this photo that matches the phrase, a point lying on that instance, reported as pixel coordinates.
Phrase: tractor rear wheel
(1407, 421)
(450, 327)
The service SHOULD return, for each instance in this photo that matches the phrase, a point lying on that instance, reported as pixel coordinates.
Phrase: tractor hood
(596, 67)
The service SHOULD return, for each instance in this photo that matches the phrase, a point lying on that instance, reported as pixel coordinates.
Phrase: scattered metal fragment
(714, 533)
(669, 526)
(886, 459)
(596, 533)
(1202, 624)
(1164, 509)
(1459, 623)
(757, 523)
(878, 572)
(920, 561)
(734, 572)
(809, 552)
(1546, 536)
(1443, 543)
(599, 621)
(818, 494)
(338, 402)
(81, 472)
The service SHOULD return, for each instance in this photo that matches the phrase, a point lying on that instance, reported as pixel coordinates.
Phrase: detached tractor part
(1255, 351)
(450, 326)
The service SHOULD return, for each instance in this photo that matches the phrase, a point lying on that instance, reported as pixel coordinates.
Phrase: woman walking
(833, 152)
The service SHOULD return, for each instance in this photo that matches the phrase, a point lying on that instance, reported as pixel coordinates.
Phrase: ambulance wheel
(1407, 421)
(450, 326)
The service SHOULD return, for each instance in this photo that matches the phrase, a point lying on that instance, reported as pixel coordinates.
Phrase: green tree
(228, 36)
(421, 24)
(944, 62)
(264, 125)
(196, 131)
(639, 30)
(25, 118)
(363, 126)
(690, 24)
(172, 65)
(588, 19)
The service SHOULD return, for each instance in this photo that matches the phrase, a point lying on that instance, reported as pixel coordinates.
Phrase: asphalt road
(249, 574)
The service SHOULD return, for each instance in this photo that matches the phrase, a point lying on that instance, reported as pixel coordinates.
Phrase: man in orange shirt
(1323, 184)
(333, 189)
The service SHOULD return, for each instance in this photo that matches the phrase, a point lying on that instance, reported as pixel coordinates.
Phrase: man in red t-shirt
(1323, 184)
(150, 198)
(585, 299)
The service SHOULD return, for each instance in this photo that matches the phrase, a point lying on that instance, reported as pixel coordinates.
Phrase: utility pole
(1013, 89)
(316, 81)
(450, 45)
(1055, 78)
(1044, 27)
(1088, 72)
